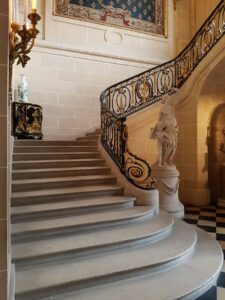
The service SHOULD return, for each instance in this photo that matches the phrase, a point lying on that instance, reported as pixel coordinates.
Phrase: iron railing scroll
(133, 94)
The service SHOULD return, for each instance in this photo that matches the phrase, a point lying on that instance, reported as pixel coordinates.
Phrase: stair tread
(56, 160)
(191, 278)
(52, 146)
(45, 140)
(71, 204)
(53, 153)
(156, 225)
(97, 217)
(171, 247)
(64, 190)
(61, 179)
(20, 171)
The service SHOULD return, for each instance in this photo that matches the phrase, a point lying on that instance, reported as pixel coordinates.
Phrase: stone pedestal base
(167, 182)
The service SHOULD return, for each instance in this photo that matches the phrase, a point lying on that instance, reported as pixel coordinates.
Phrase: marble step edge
(71, 208)
(53, 146)
(88, 138)
(20, 143)
(60, 182)
(54, 155)
(52, 230)
(151, 226)
(52, 163)
(58, 172)
(120, 270)
(53, 149)
(92, 250)
(52, 291)
(61, 179)
(191, 279)
(88, 153)
(70, 203)
(64, 194)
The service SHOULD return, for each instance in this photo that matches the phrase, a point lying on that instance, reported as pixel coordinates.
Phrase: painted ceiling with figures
(141, 15)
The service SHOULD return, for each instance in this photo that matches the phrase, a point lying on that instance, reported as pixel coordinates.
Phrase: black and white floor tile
(212, 220)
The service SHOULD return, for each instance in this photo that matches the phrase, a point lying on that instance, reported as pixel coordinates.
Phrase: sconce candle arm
(21, 41)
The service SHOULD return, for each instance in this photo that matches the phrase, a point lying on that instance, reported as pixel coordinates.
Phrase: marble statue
(164, 171)
(165, 132)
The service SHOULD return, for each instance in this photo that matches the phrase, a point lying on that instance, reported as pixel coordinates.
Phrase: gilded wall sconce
(22, 38)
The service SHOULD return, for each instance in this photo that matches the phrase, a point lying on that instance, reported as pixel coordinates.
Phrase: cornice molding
(46, 46)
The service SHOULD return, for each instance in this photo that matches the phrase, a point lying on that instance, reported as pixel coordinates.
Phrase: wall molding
(58, 49)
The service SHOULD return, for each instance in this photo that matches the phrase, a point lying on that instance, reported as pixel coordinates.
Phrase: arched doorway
(216, 154)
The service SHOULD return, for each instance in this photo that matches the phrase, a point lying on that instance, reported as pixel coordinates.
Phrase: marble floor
(212, 220)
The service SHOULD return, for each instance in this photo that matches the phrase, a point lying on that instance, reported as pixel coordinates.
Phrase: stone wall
(74, 61)
(4, 155)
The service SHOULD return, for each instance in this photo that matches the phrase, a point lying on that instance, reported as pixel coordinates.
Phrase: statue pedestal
(167, 182)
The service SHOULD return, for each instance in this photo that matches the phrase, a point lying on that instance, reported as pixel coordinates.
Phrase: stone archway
(216, 154)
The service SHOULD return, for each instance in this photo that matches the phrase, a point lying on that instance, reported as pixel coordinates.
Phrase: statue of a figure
(165, 132)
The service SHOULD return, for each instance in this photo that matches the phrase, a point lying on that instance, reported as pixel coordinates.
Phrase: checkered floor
(211, 219)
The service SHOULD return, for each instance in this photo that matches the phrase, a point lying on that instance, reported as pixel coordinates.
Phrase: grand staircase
(77, 236)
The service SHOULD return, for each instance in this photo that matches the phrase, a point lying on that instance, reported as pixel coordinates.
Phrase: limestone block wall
(139, 128)
(74, 61)
(200, 11)
(4, 155)
(69, 87)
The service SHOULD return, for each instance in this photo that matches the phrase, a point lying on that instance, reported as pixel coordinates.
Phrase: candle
(25, 2)
(34, 4)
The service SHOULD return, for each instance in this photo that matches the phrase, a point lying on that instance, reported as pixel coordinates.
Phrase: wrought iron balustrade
(133, 94)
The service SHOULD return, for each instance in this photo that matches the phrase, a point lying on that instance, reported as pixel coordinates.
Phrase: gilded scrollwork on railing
(129, 96)
(136, 170)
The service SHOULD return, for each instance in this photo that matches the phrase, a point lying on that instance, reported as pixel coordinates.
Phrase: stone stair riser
(100, 280)
(56, 164)
(55, 149)
(55, 143)
(35, 235)
(88, 138)
(48, 214)
(59, 173)
(54, 156)
(16, 201)
(30, 262)
(22, 187)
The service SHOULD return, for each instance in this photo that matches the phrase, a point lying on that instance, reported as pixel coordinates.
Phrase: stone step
(93, 137)
(63, 163)
(185, 281)
(55, 143)
(36, 230)
(58, 172)
(50, 280)
(67, 208)
(55, 155)
(80, 245)
(60, 195)
(54, 149)
(61, 182)
(97, 132)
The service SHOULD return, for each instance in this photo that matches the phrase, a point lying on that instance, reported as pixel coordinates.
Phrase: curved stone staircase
(76, 235)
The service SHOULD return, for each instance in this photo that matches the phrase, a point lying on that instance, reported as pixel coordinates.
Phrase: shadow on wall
(216, 153)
